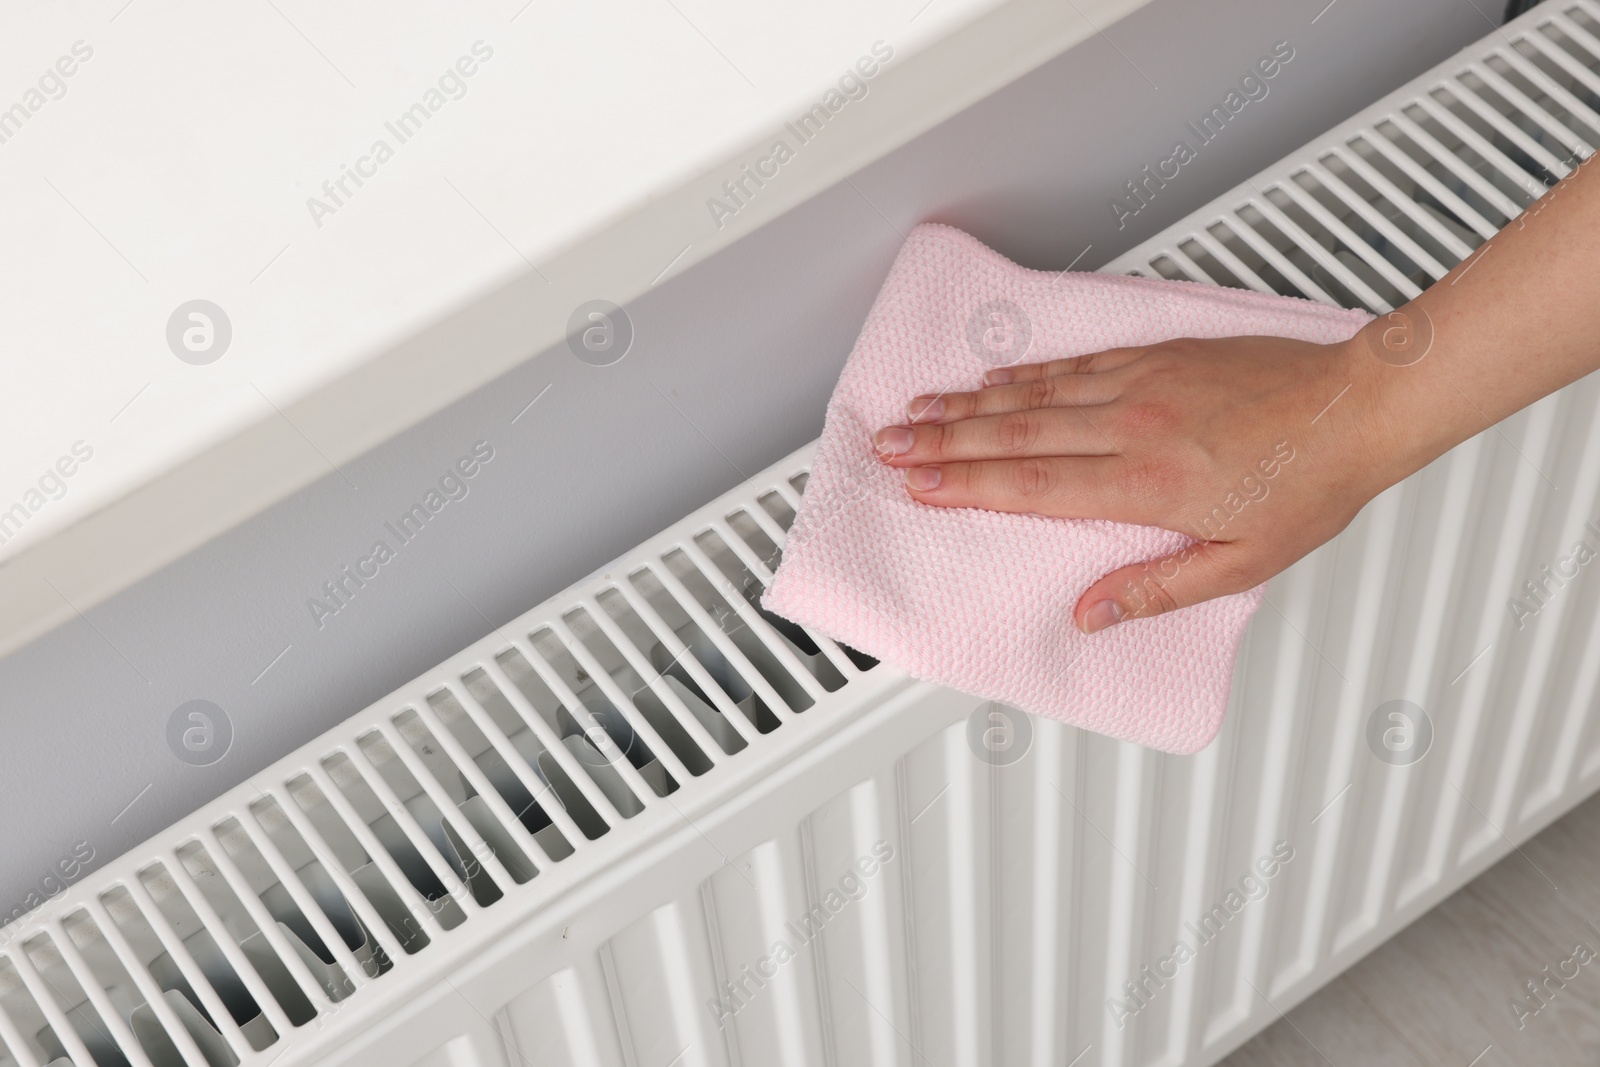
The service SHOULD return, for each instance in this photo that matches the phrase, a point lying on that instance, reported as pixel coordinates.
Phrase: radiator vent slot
(451, 798)
(1381, 209)
(502, 774)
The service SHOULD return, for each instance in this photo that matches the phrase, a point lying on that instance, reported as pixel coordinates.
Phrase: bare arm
(1263, 448)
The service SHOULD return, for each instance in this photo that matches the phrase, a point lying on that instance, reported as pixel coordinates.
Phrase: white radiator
(645, 825)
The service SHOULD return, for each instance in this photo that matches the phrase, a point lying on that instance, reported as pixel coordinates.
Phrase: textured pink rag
(979, 600)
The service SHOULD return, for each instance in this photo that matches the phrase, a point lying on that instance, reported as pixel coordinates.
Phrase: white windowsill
(576, 163)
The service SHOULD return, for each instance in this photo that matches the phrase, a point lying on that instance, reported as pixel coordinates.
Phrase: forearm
(1515, 321)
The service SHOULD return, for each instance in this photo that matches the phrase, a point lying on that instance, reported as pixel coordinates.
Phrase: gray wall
(747, 345)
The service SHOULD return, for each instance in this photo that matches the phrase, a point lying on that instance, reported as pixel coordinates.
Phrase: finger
(1091, 363)
(1014, 435)
(1060, 391)
(1201, 572)
(1066, 487)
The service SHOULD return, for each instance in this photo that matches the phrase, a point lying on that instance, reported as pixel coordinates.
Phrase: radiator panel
(647, 824)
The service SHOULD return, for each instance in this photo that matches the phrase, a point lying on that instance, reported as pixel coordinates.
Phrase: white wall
(732, 365)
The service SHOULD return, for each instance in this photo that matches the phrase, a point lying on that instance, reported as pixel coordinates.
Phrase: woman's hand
(1259, 448)
(1262, 448)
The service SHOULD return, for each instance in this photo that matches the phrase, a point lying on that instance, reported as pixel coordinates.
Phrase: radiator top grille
(1382, 206)
(318, 883)
(397, 829)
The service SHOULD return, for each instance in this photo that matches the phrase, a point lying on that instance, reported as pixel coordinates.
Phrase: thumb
(1193, 575)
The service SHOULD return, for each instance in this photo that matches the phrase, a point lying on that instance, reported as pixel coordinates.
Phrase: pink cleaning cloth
(980, 600)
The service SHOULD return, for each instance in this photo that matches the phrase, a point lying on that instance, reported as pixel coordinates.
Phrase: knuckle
(1033, 479)
(1145, 484)
(961, 405)
(1146, 593)
(1234, 575)
(1148, 418)
(1015, 432)
(1040, 393)
(1160, 597)
(1182, 348)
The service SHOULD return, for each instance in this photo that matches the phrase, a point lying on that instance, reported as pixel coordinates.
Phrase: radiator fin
(589, 838)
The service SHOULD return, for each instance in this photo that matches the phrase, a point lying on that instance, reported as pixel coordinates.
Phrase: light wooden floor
(1437, 994)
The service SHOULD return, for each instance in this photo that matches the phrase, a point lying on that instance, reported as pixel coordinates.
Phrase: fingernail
(893, 440)
(922, 478)
(1102, 614)
(926, 408)
(999, 376)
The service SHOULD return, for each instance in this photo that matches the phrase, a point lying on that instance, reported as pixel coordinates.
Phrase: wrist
(1389, 431)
